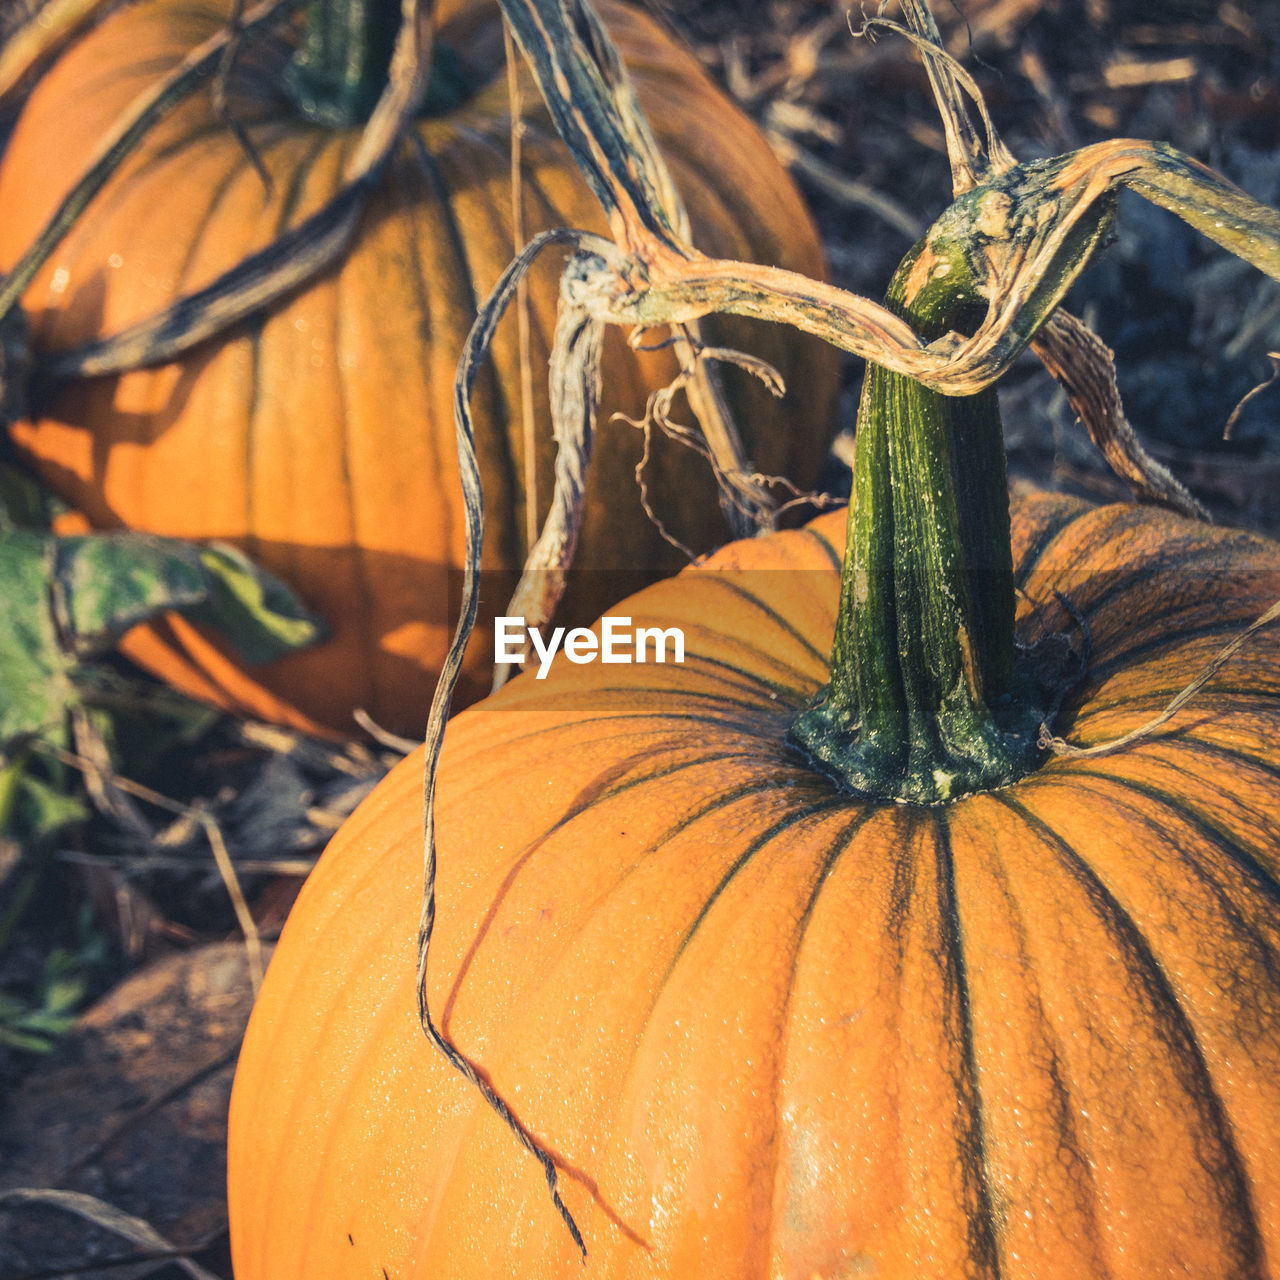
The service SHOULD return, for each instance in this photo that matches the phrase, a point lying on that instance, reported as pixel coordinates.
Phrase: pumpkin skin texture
(769, 1028)
(320, 438)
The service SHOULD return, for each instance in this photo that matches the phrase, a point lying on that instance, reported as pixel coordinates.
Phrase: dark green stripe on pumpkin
(1069, 1141)
(498, 465)
(292, 197)
(1066, 512)
(982, 1229)
(759, 843)
(1208, 834)
(1223, 1163)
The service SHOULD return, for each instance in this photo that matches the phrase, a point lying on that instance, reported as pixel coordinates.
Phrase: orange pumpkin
(769, 1027)
(320, 437)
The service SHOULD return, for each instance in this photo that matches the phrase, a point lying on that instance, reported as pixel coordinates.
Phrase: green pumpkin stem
(923, 702)
(341, 67)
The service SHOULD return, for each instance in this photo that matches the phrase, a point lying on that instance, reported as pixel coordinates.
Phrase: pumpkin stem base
(990, 752)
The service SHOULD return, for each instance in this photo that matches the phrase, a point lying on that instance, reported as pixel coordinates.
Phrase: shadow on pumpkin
(390, 618)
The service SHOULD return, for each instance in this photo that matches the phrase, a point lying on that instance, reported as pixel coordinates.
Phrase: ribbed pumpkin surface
(772, 1030)
(321, 438)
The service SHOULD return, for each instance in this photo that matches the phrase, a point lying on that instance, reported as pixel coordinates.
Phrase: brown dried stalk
(113, 795)
(575, 396)
(478, 342)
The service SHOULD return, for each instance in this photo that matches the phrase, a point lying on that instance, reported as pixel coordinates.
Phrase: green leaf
(23, 502)
(109, 582)
(43, 810)
(61, 997)
(36, 685)
(261, 618)
(68, 599)
(21, 1040)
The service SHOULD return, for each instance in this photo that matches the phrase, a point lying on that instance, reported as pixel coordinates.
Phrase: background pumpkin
(320, 438)
(770, 1028)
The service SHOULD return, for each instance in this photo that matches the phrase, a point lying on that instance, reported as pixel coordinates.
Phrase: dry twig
(1060, 747)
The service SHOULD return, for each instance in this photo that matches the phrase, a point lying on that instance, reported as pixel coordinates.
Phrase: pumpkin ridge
(580, 807)
(373, 875)
(1124, 660)
(1226, 1175)
(983, 1229)
(444, 461)
(838, 846)
(716, 667)
(644, 1020)
(253, 400)
(312, 1213)
(752, 686)
(1182, 546)
(270, 335)
(494, 454)
(292, 196)
(748, 726)
(1234, 887)
(366, 1063)
(1149, 574)
(750, 696)
(1224, 701)
(1070, 1141)
(718, 672)
(211, 213)
(1185, 739)
(101, 210)
(255, 332)
(365, 577)
(829, 549)
(1064, 515)
(818, 870)
(347, 286)
(268, 133)
(757, 845)
(620, 784)
(1255, 873)
(783, 624)
(108, 201)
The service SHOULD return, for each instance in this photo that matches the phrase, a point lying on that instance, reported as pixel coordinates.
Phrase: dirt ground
(125, 1099)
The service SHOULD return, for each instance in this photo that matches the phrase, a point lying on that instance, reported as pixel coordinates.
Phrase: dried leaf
(1083, 365)
(109, 1218)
